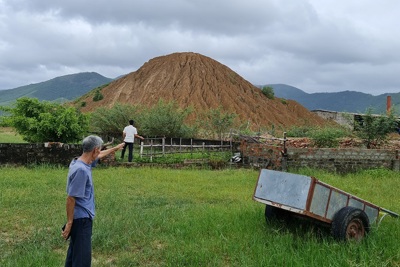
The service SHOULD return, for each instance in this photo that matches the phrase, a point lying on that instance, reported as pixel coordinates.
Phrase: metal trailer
(348, 216)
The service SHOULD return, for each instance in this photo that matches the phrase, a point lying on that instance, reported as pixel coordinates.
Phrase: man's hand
(104, 153)
(66, 231)
(70, 205)
(119, 146)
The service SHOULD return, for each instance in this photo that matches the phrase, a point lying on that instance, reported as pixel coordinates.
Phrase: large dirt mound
(191, 79)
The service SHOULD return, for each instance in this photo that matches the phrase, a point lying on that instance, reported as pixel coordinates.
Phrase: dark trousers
(80, 246)
(130, 153)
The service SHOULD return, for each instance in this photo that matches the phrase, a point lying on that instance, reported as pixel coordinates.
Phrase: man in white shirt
(129, 133)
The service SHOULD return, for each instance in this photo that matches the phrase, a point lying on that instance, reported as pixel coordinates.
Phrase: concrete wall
(342, 118)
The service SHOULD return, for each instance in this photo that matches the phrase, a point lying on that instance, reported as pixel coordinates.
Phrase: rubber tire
(350, 224)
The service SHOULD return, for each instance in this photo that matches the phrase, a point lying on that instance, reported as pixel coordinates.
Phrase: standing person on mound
(129, 133)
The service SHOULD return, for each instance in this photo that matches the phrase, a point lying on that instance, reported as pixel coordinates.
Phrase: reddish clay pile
(195, 80)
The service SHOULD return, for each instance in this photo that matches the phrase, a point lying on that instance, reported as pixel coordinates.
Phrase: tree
(375, 129)
(111, 121)
(268, 91)
(166, 119)
(47, 122)
(163, 119)
(217, 122)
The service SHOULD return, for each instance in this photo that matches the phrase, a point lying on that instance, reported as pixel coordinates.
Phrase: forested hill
(61, 88)
(345, 101)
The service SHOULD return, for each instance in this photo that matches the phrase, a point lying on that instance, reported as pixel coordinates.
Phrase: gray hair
(91, 142)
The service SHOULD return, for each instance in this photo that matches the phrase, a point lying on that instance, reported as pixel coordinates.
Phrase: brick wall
(342, 160)
(335, 160)
(263, 156)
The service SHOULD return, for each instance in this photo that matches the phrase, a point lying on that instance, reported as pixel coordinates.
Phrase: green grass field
(8, 135)
(165, 217)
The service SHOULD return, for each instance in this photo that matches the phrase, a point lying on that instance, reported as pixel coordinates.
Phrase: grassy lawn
(165, 217)
(8, 135)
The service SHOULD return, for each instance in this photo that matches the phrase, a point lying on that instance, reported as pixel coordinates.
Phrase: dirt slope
(195, 80)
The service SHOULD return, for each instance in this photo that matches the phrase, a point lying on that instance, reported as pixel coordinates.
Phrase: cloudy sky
(315, 45)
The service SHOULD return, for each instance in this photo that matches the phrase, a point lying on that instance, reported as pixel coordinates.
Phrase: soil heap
(191, 79)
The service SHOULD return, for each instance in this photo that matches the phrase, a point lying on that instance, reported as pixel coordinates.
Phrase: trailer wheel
(349, 224)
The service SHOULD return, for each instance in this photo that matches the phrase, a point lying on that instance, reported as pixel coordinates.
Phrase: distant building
(352, 120)
(346, 119)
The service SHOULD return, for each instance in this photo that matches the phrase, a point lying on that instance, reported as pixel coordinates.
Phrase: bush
(268, 91)
(98, 96)
(374, 129)
(327, 136)
(321, 136)
(299, 131)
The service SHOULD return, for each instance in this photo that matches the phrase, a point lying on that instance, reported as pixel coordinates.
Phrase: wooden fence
(157, 147)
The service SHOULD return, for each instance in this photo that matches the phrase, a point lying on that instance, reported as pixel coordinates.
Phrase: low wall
(335, 160)
(257, 155)
(48, 153)
(25, 154)
(342, 160)
(61, 154)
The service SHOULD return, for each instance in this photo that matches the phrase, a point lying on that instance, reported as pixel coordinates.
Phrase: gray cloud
(316, 45)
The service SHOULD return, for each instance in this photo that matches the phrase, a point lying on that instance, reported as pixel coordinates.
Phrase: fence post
(141, 149)
(151, 150)
(230, 142)
(284, 154)
(163, 146)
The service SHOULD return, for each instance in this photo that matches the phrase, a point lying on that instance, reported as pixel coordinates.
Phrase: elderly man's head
(91, 142)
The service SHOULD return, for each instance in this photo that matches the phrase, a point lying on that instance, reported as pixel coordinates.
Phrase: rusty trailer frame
(310, 197)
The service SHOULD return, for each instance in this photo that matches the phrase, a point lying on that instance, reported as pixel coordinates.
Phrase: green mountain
(63, 88)
(345, 101)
